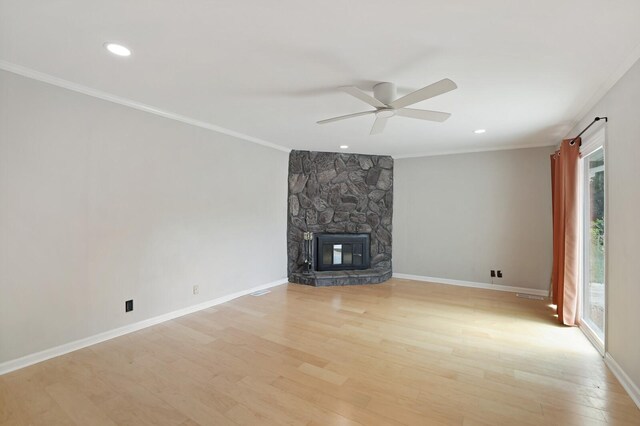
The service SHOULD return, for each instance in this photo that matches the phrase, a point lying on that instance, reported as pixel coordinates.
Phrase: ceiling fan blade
(378, 125)
(435, 89)
(344, 117)
(423, 114)
(357, 93)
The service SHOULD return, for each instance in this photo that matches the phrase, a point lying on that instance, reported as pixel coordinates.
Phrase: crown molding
(605, 87)
(89, 91)
(473, 151)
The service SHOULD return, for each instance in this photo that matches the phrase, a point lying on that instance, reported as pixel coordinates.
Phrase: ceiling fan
(387, 106)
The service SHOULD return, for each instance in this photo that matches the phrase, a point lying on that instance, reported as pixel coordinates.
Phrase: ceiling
(525, 70)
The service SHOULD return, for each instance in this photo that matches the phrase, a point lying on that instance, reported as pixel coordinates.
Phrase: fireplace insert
(339, 252)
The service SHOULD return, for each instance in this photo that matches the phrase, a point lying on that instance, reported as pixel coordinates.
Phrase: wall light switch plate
(196, 289)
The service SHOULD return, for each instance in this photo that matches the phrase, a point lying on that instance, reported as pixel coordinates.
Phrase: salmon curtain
(564, 183)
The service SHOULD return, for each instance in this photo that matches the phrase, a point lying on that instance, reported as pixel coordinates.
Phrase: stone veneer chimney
(340, 193)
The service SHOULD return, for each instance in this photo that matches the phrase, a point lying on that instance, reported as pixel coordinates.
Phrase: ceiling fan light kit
(387, 105)
(385, 113)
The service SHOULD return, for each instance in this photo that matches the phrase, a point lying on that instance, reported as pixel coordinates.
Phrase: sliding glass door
(593, 241)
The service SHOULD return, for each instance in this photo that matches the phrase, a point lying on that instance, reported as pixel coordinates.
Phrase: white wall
(100, 203)
(622, 156)
(459, 216)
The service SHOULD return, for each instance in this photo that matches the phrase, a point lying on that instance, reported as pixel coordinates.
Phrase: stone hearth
(340, 193)
(327, 278)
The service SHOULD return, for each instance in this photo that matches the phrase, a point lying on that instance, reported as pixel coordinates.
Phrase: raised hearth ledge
(330, 278)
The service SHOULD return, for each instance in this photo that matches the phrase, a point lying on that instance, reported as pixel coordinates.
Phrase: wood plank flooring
(398, 353)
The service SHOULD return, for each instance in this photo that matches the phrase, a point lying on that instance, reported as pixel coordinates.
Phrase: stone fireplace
(340, 212)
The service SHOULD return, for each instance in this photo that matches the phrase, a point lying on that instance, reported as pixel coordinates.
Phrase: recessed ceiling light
(479, 131)
(344, 146)
(117, 49)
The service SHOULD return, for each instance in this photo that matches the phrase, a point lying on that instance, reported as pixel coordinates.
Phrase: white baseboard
(461, 283)
(25, 361)
(626, 382)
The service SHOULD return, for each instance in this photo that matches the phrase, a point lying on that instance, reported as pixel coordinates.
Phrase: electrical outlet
(493, 273)
(196, 289)
(499, 274)
(128, 305)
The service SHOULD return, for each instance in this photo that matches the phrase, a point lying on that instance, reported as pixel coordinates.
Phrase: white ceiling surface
(525, 70)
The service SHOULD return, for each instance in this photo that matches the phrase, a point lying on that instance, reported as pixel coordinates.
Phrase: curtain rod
(595, 120)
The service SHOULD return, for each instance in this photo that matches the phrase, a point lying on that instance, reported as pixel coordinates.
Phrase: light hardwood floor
(399, 353)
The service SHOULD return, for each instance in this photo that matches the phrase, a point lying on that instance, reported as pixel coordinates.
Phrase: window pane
(594, 267)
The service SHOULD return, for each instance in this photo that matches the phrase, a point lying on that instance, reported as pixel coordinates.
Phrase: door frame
(594, 141)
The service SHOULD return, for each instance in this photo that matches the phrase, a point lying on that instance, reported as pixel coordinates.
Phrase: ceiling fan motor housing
(385, 92)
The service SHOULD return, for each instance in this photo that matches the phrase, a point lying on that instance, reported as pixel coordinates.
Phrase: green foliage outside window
(596, 184)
